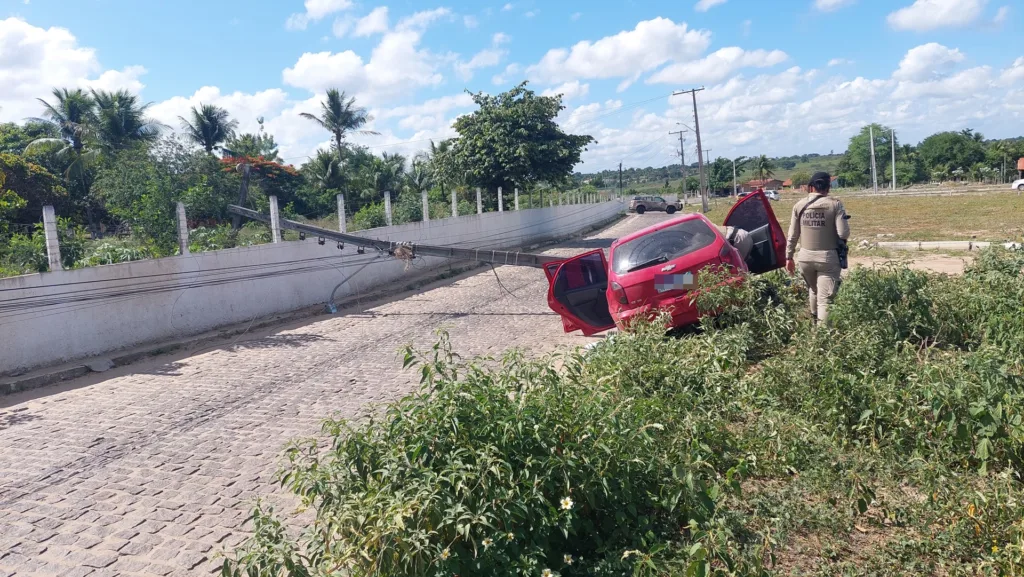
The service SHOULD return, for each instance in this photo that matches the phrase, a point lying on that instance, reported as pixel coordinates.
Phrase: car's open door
(753, 213)
(577, 292)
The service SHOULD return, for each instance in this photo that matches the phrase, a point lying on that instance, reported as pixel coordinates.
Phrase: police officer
(820, 226)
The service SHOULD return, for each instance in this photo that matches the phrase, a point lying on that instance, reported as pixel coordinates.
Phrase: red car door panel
(577, 291)
(753, 213)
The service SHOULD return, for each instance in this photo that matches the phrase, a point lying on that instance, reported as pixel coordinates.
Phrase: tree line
(111, 171)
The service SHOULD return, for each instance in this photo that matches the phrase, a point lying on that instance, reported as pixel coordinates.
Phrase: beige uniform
(818, 231)
(739, 238)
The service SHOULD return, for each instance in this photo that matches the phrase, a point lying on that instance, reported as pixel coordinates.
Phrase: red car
(656, 268)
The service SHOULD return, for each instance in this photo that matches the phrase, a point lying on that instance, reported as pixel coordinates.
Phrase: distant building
(788, 183)
(767, 184)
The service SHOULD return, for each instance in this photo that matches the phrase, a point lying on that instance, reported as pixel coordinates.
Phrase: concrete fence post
(182, 229)
(501, 201)
(517, 197)
(275, 220)
(479, 202)
(52, 242)
(387, 207)
(426, 207)
(455, 204)
(341, 213)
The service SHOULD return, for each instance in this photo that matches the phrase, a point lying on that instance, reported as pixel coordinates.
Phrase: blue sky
(781, 77)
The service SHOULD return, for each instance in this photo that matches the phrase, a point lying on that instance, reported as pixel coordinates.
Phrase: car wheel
(670, 210)
(1021, 188)
(641, 209)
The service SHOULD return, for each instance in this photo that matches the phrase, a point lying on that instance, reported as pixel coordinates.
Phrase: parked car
(657, 268)
(772, 194)
(642, 204)
(1018, 185)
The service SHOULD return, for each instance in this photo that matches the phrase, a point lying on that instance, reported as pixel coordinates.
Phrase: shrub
(508, 472)
(370, 216)
(113, 252)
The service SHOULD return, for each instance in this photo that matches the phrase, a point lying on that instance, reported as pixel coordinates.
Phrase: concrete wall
(67, 315)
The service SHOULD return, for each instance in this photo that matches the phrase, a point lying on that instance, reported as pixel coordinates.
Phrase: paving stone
(164, 458)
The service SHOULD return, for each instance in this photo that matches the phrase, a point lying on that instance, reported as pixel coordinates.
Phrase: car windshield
(662, 246)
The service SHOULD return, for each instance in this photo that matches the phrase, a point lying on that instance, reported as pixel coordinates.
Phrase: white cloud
(1001, 15)
(716, 66)
(470, 21)
(126, 79)
(625, 55)
(376, 22)
(500, 38)
(33, 60)
(831, 5)
(925, 15)
(343, 25)
(316, 10)
(575, 16)
(839, 62)
(483, 59)
(964, 85)
(746, 26)
(507, 7)
(1013, 74)
(928, 61)
(705, 5)
(511, 71)
(530, 14)
(396, 65)
(569, 90)
(243, 107)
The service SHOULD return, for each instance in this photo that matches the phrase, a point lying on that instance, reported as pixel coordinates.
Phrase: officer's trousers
(820, 269)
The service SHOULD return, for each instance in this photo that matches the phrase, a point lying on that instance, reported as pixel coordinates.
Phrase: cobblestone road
(151, 469)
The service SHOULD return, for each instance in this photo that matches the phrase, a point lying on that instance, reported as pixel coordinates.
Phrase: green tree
(14, 138)
(763, 167)
(10, 203)
(800, 178)
(340, 116)
(121, 120)
(855, 167)
(34, 185)
(256, 145)
(208, 126)
(512, 139)
(951, 150)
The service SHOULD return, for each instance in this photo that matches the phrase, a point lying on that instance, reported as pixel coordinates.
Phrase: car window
(662, 246)
(659, 199)
(748, 215)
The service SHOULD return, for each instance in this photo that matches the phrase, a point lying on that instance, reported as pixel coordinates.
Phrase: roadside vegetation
(891, 443)
(114, 175)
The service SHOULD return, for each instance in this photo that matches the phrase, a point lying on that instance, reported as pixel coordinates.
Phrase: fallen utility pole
(407, 250)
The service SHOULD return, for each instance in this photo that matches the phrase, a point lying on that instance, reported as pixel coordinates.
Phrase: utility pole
(734, 192)
(874, 171)
(620, 179)
(682, 160)
(707, 153)
(892, 137)
(700, 154)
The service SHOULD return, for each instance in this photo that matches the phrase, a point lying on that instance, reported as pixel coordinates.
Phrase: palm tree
(340, 116)
(72, 116)
(420, 177)
(324, 171)
(121, 120)
(764, 167)
(210, 126)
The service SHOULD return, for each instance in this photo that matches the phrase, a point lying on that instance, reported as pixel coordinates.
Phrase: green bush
(507, 473)
(370, 216)
(113, 252)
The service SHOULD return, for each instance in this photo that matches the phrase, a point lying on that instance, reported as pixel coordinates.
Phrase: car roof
(664, 224)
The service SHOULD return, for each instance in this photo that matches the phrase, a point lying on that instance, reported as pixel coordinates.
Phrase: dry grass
(989, 217)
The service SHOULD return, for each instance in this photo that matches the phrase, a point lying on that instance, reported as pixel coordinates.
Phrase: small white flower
(566, 503)
(628, 554)
(547, 573)
(445, 554)
(488, 542)
(567, 559)
(510, 536)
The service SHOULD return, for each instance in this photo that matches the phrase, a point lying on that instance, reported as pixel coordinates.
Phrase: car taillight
(619, 293)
